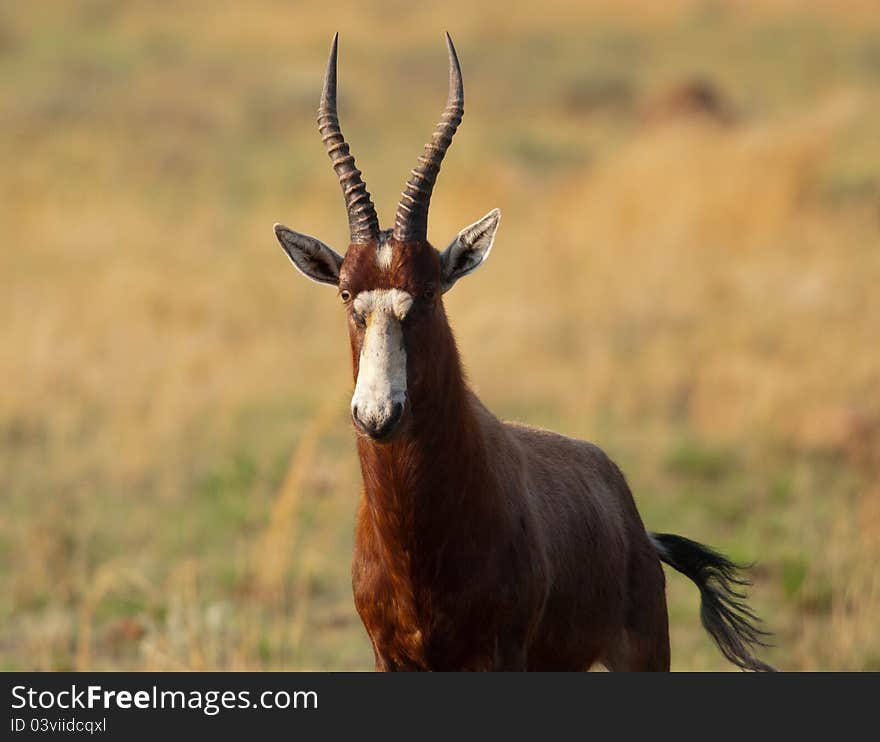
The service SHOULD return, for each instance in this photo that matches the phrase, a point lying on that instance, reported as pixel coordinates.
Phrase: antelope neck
(419, 479)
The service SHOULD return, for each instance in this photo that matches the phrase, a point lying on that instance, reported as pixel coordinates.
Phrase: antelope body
(480, 544)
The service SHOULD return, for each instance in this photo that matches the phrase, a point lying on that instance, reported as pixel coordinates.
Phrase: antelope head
(391, 282)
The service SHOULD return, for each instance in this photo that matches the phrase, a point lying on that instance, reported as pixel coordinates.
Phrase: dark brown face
(391, 292)
(413, 267)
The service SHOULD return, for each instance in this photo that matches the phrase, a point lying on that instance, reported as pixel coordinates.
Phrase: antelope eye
(345, 295)
(429, 292)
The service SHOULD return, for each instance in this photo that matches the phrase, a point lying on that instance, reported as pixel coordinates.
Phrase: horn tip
(333, 47)
(454, 65)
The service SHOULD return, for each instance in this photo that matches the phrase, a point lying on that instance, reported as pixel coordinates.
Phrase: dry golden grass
(177, 475)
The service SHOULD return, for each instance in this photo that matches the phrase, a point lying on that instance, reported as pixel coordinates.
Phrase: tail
(723, 611)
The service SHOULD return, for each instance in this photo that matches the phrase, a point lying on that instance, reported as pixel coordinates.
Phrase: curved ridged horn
(362, 221)
(411, 221)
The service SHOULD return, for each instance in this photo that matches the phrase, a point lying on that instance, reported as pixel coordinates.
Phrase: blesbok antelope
(481, 544)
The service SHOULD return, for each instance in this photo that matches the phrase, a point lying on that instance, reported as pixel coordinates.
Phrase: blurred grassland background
(687, 273)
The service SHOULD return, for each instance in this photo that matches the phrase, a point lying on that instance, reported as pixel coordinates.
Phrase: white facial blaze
(381, 381)
(384, 255)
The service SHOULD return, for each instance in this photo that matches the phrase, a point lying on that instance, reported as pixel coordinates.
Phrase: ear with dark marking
(313, 258)
(469, 249)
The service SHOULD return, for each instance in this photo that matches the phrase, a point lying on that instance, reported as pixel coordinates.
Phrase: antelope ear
(469, 249)
(313, 258)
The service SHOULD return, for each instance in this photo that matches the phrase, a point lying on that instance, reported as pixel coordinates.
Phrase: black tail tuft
(723, 611)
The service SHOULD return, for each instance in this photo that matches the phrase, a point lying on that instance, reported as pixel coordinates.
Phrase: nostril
(358, 422)
(396, 412)
(391, 423)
